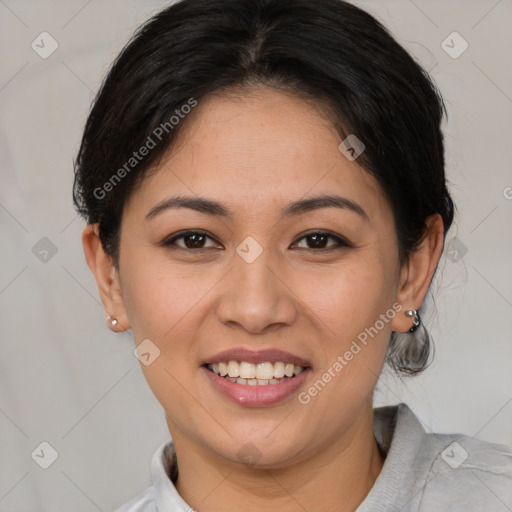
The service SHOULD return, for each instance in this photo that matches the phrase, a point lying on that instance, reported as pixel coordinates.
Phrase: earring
(112, 321)
(413, 313)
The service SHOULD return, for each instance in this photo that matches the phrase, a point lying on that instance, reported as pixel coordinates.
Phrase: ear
(416, 275)
(107, 277)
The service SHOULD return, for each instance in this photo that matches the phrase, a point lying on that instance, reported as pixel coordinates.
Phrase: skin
(256, 153)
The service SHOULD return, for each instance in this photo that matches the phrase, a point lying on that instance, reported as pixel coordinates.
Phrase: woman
(263, 183)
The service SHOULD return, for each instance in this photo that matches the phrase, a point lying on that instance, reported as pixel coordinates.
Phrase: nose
(256, 297)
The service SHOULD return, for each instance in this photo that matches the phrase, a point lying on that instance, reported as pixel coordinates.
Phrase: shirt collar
(163, 468)
(402, 437)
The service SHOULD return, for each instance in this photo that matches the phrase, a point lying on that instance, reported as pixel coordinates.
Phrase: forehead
(257, 150)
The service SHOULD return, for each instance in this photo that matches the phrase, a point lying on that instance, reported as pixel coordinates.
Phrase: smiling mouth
(259, 374)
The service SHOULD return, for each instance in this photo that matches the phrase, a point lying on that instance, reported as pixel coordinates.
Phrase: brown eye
(319, 241)
(191, 240)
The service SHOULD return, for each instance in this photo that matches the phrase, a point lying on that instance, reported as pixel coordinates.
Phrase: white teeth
(247, 370)
(255, 374)
(233, 369)
(288, 369)
(264, 371)
(278, 370)
(223, 369)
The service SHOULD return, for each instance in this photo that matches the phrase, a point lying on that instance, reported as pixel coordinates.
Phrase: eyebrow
(214, 208)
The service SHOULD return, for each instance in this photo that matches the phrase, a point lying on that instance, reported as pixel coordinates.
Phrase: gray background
(66, 379)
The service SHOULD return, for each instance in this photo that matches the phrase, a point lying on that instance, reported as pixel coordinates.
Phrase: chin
(263, 447)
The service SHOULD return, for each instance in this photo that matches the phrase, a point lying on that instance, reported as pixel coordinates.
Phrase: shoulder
(437, 472)
(144, 502)
(468, 473)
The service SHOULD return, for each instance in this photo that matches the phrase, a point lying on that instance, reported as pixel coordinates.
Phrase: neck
(338, 477)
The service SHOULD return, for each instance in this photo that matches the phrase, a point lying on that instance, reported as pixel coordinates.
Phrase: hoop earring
(416, 321)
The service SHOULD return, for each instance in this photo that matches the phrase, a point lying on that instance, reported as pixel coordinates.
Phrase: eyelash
(341, 243)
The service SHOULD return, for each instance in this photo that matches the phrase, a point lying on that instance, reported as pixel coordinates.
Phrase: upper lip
(271, 355)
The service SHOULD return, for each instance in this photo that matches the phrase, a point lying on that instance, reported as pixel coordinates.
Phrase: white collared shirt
(422, 472)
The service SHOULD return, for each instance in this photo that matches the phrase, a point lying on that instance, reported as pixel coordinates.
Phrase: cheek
(159, 294)
(348, 303)
(351, 296)
(163, 304)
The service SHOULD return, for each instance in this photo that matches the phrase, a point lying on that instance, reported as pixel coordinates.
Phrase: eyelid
(170, 241)
(341, 241)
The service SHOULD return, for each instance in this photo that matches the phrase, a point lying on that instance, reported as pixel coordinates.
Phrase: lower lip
(257, 395)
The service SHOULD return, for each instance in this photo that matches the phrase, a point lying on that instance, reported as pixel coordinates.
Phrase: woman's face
(313, 280)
